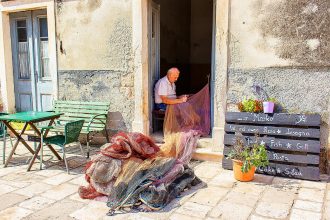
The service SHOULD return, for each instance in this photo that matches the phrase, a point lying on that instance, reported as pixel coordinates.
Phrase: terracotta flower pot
(239, 175)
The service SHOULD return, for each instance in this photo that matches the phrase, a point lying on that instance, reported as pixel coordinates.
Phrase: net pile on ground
(135, 173)
(149, 179)
(104, 168)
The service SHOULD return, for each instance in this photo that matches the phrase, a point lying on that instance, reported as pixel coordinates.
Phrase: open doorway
(185, 41)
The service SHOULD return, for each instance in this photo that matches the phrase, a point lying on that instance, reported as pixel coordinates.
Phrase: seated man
(165, 93)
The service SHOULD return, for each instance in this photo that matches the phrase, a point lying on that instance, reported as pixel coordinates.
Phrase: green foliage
(250, 105)
(251, 154)
(272, 99)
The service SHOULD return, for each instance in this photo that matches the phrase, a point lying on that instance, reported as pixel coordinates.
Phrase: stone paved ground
(52, 194)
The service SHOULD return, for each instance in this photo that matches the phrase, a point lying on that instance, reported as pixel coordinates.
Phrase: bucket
(268, 107)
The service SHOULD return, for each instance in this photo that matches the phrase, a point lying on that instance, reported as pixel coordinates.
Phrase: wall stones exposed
(100, 86)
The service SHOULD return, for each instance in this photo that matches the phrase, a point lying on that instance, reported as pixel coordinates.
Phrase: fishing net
(191, 115)
(181, 146)
(104, 168)
(153, 183)
(136, 174)
(124, 145)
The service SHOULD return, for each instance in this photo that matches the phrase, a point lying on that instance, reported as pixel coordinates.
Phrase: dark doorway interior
(186, 41)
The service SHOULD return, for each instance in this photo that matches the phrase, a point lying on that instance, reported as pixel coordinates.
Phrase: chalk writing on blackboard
(301, 118)
(297, 133)
(280, 157)
(283, 135)
(286, 171)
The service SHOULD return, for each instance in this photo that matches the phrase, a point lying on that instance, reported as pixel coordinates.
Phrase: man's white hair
(173, 70)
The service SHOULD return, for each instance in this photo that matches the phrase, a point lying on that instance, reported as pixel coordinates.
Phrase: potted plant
(247, 157)
(250, 105)
(268, 105)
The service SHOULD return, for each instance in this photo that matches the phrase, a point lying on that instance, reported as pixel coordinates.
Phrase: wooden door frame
(6, 70)
(150, 82)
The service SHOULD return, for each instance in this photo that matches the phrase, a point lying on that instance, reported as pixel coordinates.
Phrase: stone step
(206, 154)
(205, 143)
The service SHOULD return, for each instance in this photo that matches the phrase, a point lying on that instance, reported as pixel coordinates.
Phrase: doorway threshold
(158, 137)
(204, 150)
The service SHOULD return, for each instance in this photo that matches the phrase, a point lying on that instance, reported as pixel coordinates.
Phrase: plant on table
(250, 105)
(247, 157)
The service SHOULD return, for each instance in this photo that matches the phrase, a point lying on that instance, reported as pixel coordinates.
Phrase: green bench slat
(81, 103)
(76, 110)
(72, 110)
(67, 107)
(87, 120)
(83, 130)
(82, 116)
(93, 125)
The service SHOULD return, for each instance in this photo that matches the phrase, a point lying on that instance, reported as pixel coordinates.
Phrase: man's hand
(183, 98)
(169, 101)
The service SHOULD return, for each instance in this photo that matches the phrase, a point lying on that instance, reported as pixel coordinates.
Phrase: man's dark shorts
(160, 106)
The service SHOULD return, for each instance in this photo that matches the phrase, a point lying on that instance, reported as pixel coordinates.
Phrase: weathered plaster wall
(283, 47)
(95, 55)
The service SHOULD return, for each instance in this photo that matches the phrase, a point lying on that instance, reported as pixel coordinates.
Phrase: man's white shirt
(165, 88)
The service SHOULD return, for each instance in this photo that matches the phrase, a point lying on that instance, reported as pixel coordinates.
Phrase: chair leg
(88, 149)
(107, 135)
(35, 143)
(153, 124)
(11, 142)
(41, 150)
(4, 148)
(82, 151)
(65, 161)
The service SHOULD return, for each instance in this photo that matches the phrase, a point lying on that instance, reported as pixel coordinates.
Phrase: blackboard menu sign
(292, 141)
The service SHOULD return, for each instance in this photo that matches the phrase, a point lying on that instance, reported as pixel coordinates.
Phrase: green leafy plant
(250, 154)
(272, 99)
(250, 105)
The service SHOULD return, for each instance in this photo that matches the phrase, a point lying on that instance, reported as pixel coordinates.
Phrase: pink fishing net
(191, 115)
(104, 168)
(124, 145)
(180, 146)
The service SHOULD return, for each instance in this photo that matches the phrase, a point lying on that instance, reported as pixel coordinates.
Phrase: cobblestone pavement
(52, 194)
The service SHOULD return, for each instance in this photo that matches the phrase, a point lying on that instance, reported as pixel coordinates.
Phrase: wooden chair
(157, 116)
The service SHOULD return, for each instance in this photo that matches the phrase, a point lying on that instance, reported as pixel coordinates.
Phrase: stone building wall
(95, 55)
(282, 46)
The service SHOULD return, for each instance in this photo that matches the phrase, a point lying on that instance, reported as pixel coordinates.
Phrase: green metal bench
(93, 113)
